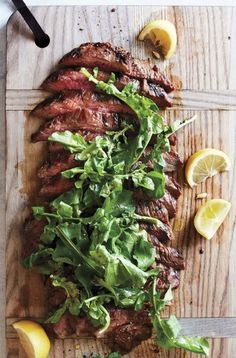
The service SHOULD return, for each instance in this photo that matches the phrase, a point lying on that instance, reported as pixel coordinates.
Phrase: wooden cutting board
(204, 71)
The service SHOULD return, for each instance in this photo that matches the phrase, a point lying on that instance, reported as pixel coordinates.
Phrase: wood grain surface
(204, 72)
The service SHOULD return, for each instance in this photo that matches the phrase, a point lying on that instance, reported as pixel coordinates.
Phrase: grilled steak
(167, 256)
(32, 231)
(116, 59)
(55, 187)
(172, 160)
(73, 79)
(163, 232)
(82, 119)
(71, 101)
(128, 336)
(62, 160)
(57, 163)
(81, 108)
(167, 276)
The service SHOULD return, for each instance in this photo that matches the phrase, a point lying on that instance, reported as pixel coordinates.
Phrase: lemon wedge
(210, 216)
(162, 34)
(204, 164)
(33, 338)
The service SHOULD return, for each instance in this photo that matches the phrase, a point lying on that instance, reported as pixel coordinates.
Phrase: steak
(73, 79)
(167, 277)
(116, 59)
(164, 232)
(172, 160)
(55, 186)
(33, 229)
(82, 119)
(57, 163)
(128, 336)
(167, 256)
(61, 160)
(71, 101)
(168, 200)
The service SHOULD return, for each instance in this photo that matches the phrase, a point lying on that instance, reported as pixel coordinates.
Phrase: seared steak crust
(116, 59)
(82, 119)
(73, 79)
(71, 101)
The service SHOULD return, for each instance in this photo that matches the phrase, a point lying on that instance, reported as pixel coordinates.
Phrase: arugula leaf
(167, 330)
(73, 142)
(97, 312)
(72, 302)
(151, 122)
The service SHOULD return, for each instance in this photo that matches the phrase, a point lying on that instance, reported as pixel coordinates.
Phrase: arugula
(92, 247)
(167, 330)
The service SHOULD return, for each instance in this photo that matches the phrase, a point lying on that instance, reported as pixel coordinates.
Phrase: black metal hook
(41, 38)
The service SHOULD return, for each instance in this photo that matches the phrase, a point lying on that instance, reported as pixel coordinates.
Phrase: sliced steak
(168, 201)
(125, 338)
(153, 209)
(82, 120)
(167, 277)
(66, 325)
(172, 160)
(32, 231)
(164, 232)
(71, 101)
(73, 79)
(57, 163)
(61, 159)
(55, 186)
(173, 187)
(166, 255)
(115, 59)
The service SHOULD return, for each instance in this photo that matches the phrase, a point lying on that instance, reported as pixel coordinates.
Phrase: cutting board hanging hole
(42, 42)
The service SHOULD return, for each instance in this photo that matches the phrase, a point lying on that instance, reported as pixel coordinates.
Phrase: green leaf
(114, 355)
(38, 210)
(56, 315)
(158, 189)
(65, 210)
(73, 142)
(144, 253)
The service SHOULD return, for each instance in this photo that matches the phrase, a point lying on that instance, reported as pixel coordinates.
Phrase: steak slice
(168, 200)
(166, 255)
(33, 229)
(73, 79)
(71, 101)
(57, 163)
(61, 160)
(167, 277)
(128, 336)
(172, 160)
(164, 232)
(153, 209)
(82, 120)
(55, 186)
(173, 187)
(115, 59)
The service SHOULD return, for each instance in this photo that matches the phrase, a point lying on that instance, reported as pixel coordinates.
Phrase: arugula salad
(93, 228)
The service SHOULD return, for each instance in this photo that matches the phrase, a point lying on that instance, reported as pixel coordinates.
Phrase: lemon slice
(33, 339)
(204, 164)
(162, 34)
(210, 216)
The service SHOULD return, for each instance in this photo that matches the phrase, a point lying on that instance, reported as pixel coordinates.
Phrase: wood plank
(26, 100)
(205, 79)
